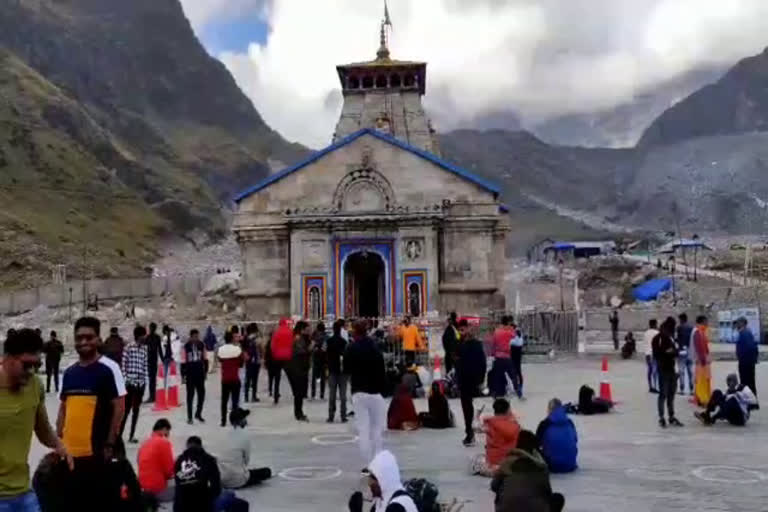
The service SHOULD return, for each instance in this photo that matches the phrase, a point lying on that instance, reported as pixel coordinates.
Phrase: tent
(650, 290)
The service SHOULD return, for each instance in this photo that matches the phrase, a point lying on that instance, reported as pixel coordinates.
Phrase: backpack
(422, 492)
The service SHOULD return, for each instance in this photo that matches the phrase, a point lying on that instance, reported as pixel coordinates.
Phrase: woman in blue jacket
(558, 439)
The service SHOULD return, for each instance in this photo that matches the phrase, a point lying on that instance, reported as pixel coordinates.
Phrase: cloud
(536, 58)
(202, 13)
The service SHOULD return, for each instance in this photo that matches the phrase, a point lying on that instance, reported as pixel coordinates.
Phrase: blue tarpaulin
(650, 290)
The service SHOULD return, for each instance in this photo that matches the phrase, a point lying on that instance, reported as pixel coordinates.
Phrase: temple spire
(383, 53)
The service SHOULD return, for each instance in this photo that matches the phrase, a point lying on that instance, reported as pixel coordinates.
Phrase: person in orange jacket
(412, 341)
(155, 462)
(501, 433)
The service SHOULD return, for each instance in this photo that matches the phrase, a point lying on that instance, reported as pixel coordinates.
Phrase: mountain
(117, 129)
(735, 104)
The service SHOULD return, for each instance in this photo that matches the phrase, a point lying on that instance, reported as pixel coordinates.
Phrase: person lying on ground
(198, 484)
(732, 406)
(155, 462)
(402, 412)
(521, 483)
(591, 404)
(383, 479)
(234, 458)
(501, 432)
(439, 415)
(558, 439)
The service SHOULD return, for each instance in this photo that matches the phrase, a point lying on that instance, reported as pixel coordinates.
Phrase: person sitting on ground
(384, 481)
(501, 433)
(522, 480)
(155, 462)
(412, 381)
(439, 415)
(590, 404)
(558, 439)
(123, 490)
(198, 484)
(630, 346)
(732, 406)
(236, 455)
(402, 412)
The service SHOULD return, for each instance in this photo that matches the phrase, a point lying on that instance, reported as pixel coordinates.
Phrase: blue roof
(426, 155)
(560, 246)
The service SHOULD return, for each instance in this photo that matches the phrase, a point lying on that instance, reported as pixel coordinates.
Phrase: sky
(537, 58)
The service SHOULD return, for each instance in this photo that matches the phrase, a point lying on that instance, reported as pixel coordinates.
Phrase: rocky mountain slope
(116, 129)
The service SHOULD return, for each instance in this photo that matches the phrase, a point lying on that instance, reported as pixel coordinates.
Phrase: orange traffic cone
(437, 372)
(173, 386)
(161, 403)
(605, 385)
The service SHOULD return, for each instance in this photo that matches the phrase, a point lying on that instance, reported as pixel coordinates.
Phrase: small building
(578, 250)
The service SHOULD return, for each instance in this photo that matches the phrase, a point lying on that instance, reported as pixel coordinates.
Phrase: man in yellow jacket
(412, 341)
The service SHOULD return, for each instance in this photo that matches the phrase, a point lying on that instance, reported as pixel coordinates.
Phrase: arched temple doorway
(414, 299)
(315, 304)
(364, 285)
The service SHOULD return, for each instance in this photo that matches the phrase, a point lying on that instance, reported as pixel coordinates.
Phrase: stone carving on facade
(414, 249)
(364, 190)
(314, 252)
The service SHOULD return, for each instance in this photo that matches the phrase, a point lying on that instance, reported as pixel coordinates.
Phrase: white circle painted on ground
(332, 439)
(310, 473)
(729, 474)
(654, 474)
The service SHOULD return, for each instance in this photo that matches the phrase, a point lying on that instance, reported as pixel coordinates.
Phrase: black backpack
(422, 492)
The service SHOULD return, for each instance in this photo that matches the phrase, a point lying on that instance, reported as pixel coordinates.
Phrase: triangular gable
(477, 180)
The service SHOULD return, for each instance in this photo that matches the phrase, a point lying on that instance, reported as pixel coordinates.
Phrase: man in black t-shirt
(198, 482)
(153, 353)
(337, 380)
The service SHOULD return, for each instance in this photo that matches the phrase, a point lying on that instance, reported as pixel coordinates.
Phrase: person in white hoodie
(384, 481)
(234, 457)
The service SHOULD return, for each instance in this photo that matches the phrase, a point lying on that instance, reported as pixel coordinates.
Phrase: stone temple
(377, 224)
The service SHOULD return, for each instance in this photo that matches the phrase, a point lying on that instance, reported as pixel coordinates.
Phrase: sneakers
(133, 441)
(190, 422)
(662, 423)
(703, 417)
(199, 418)
(344, 420)
(652, 390)
(675, 422)
(469, 441)
(303, 418)
(329, 420)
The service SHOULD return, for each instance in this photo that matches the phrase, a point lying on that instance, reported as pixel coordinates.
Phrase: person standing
(210, 349)
(747, 354)
(280, 349)
(650, 362)
(91, 411)
(22, 412)
(337, 381)
(253, 364)
(364, 364)
(684, 360)
(665, 353)
(114, 346)
(502, 365)
(53, 349)
(166, 351)
(613, 318)
(411, 340)
(298, 368)
(319, 360)
(194, 357)
(516, 360)
(450, 342)
(231, 358)
(135, 375)
(154, 352)
(703, 374)
(470, 371)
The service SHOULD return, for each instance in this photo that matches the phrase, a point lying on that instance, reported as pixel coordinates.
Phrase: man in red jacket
(156, 463)
(231, 358)
(282, 351)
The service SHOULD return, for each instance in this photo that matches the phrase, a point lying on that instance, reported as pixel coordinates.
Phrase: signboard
(725, 319)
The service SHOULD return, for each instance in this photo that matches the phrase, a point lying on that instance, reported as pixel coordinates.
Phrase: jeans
(26, 502)
(468, 409)
(51, 370)
(318, 372)
(653, 376)
(277, 369)
(299, 383)
(371, 420)
(516, 360)
(195, 385)
(229, 389)
(152, 378)
(667, 387)
(747, 376)
(337, 382)
(251, 381)
(132, 405)
(686, 366)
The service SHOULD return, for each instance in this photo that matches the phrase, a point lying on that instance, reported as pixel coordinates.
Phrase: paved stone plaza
(627, 463)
